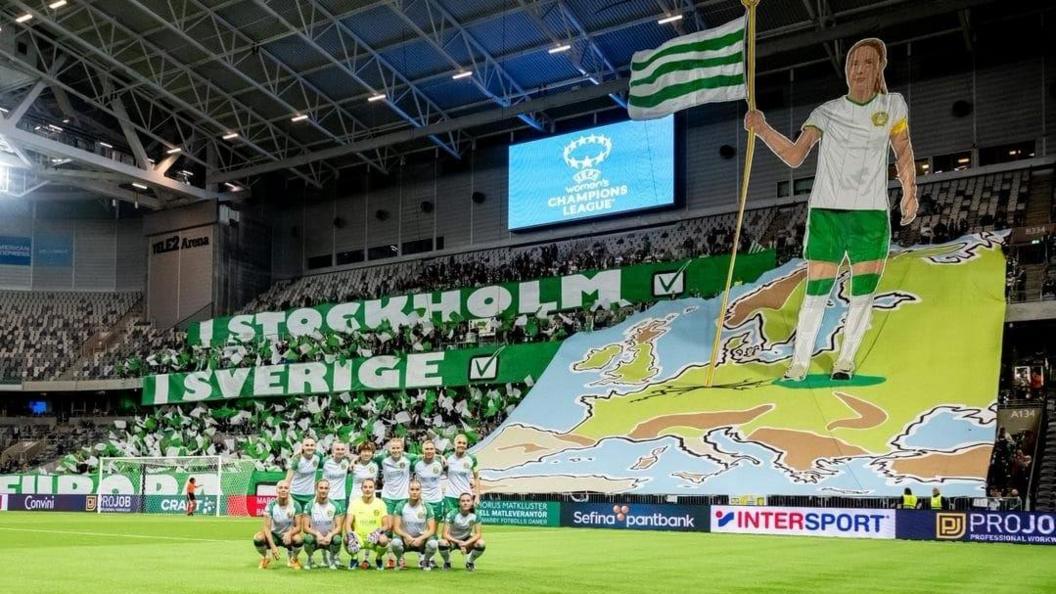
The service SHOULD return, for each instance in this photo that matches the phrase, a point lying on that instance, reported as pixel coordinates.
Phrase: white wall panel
(131, 256)
(95, 249)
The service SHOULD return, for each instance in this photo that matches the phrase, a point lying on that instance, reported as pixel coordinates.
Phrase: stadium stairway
(1039, 205)
(1034, 278)
(103, 340)
(1045, 498)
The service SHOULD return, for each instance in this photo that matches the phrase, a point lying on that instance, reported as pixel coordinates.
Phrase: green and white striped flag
(703, 67)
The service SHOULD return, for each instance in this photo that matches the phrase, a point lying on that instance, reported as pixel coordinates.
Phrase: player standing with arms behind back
(335, 470)
(282, 527)
(395, 474)
(301, 471)
(428, 470)
(462, 475)
(848, 209)
(363, 468)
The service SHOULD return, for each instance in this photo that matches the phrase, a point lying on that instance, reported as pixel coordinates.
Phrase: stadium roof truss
(188, 97)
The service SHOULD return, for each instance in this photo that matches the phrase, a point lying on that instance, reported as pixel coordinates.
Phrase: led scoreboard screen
(606, 170)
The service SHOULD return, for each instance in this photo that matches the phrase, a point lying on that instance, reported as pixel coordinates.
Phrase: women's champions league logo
(590, 193)
(586, 164)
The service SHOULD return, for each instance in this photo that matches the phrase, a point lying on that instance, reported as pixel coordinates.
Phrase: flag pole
(750, 5)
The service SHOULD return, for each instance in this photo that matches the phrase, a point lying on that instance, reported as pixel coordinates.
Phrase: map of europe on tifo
(626, 409)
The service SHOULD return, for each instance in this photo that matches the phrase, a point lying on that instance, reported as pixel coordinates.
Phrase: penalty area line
(114, 534)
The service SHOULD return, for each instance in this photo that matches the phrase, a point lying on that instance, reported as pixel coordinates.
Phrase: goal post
(158, 484)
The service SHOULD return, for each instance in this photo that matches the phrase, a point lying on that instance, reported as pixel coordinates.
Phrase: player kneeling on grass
(322, 521)
(282, 528)
(462, 532)
(365, 527)
(414, 529)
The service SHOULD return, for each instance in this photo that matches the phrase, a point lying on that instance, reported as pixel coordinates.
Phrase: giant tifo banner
(493, 365)
(634, 284)
(627, 410)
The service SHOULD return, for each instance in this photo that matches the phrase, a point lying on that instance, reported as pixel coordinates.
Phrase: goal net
(158, 485)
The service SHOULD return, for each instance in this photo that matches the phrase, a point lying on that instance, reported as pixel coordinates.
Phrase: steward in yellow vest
(909, 500)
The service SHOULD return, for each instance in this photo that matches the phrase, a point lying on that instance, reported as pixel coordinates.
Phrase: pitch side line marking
(188, 538)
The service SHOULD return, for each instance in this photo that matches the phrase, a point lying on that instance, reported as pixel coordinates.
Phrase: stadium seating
(140, 337)
(966, 204)
(265, 431)
(41, 333)
(26, 446)
(948, 208)
(1047, 474)
(689, 238)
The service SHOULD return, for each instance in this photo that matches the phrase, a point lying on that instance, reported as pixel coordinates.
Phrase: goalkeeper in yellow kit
(366, 525)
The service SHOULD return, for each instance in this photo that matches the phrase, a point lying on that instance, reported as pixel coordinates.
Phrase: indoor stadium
(527, 295)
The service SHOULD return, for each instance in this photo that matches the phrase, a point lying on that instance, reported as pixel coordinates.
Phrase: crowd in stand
(383, 341)
(1010, 463)
(423, 336)
(1048, 283)
(687, 239)
(146, 349)
(948, 209)
(1015, 279)
(1048, 286)
(265, 431)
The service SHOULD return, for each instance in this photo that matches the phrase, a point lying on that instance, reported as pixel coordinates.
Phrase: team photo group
(375, 506)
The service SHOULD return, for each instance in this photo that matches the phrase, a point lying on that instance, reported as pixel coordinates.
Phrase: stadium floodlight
(57, 5)
(378, 97)
(139, 186)
(230, 136)
(3, 110)
(299, 118)
(106, 144)
(174, 150)
(233, 187)
(54, 128)
(670, 19)
(462, 74)
(24, 18)
(558, 49)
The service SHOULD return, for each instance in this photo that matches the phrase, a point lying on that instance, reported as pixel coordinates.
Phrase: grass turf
(69, 552)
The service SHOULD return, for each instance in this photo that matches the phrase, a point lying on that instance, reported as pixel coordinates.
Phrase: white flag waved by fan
(702, 67)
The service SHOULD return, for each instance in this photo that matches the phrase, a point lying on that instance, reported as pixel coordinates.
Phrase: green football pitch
(56, 552)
